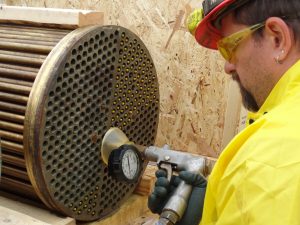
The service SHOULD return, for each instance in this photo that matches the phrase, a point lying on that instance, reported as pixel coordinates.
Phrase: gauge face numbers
(130, 164)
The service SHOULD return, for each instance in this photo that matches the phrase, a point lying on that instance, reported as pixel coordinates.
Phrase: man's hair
(257, 11)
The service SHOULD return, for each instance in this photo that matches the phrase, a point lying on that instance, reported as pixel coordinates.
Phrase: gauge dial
(124, 163)
(130, 164)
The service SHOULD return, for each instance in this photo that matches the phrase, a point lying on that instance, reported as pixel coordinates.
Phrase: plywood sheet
(193, 87)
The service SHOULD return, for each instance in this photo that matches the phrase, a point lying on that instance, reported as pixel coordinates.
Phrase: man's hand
(163, 190)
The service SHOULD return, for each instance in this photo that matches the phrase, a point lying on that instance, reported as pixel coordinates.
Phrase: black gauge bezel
(115, 161)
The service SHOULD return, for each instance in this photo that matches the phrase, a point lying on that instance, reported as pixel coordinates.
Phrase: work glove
(163, 191)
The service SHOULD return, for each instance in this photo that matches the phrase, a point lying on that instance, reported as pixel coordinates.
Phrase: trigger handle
(168, 168)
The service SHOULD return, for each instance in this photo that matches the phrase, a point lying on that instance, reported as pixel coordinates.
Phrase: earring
(277, 57)
(277, 60)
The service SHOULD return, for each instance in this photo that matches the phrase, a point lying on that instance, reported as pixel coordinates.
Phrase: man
(256, 179)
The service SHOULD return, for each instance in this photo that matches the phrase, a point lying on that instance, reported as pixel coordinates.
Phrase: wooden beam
(65, 18)
(18, 213)
(11, 217)
(147, 181)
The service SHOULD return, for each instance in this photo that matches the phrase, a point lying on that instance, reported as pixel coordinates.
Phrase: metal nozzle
(113, 139)
(163, 221)
(167, 217)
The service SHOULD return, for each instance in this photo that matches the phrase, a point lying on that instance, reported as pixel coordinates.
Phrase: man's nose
(229, 68)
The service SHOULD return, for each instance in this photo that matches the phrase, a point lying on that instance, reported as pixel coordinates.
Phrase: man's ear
(280, 37)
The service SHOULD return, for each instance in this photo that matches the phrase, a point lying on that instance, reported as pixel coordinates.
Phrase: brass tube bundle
(60, 91)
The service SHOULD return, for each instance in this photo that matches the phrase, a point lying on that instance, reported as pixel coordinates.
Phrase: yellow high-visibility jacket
(256, 180)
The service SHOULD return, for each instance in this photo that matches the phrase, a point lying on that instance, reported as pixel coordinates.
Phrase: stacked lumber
(49, 17)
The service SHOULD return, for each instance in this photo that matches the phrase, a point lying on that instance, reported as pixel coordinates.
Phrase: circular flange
(96, 77)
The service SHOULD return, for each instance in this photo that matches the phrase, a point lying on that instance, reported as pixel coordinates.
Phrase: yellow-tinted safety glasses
(228, 45)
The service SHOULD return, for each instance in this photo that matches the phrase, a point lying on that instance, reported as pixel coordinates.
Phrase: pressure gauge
(125, 164)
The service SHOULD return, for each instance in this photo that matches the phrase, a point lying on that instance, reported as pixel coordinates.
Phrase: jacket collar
(282, 91)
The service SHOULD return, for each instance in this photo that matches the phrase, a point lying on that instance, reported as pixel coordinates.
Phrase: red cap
(206, 33)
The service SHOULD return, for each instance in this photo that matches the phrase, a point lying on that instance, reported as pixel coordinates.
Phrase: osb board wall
(193, 86)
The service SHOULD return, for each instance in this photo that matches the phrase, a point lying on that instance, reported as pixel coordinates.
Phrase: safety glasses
(228, 45)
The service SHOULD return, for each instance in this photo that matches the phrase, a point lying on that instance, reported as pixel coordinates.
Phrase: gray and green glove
(163, 191)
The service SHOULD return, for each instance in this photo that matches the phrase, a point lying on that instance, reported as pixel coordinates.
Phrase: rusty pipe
(25, 36)
(17, 73)
(19, 67)
(15, 172)
(11, 136)
(30, 40)
(15, 81)
(24, 189)
(12, 147)
(18, 89)
(13, 159)
(43, 30)
(21, 59)
(13, 98)
(12, 107)
(11, 126)
(12, 117)
(28, 47)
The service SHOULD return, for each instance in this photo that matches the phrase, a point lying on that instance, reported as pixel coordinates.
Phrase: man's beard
(247, 98)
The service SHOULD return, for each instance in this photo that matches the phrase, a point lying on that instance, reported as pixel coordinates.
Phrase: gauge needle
(128, 163)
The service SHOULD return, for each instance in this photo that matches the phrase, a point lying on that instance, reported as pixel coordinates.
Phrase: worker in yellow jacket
(256, 180)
